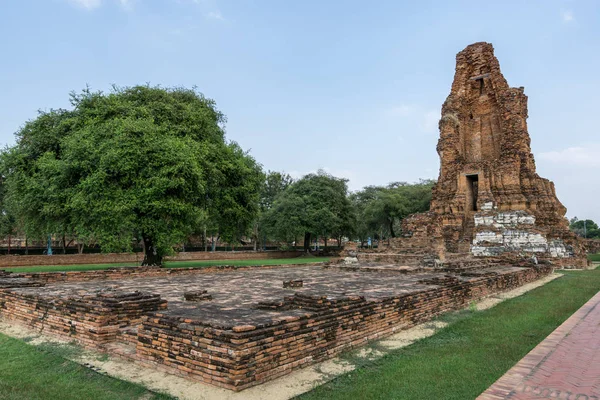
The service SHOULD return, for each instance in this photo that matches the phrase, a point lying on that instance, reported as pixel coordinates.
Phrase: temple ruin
(239, 327)
(489, 200)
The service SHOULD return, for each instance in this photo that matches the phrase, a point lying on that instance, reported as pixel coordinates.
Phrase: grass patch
(172, 264)
(465, 358)
(64, 350)
(31, 372)
(594, 257)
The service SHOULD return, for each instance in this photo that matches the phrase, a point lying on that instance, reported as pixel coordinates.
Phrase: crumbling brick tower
(489, 200)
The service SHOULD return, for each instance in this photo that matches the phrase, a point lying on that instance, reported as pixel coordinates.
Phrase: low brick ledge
(127, 272)
(241, 356)
(7, 261)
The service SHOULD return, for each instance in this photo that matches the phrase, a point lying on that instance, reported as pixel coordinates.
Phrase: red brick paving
(566, 365)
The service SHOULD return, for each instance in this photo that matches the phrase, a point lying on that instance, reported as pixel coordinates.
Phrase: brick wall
(91, 319)
(241, 356)
(107, 258)
(244, 356)
(10, 279)
(592, 246)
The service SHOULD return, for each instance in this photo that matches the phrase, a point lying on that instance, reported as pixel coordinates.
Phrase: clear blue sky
(352, 87)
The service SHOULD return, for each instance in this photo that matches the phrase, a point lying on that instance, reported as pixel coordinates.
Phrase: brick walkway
(566, 365)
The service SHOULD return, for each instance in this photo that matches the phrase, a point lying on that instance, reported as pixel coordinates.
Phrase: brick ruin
(488, 200)
(239, 327)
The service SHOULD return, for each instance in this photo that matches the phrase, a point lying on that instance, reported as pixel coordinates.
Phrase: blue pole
(49, 252)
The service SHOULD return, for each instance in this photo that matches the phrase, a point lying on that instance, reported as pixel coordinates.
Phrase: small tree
(315, 205)
(381, 209)
(273, 185)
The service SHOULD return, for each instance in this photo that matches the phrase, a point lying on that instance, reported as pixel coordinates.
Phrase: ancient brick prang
(487, 172)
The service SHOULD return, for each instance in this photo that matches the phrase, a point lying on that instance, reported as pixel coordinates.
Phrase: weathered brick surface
(253, 329)
(487, 172)
(592, 246)
(12, 279)
(242, 356)
(70, 259)
(91, 318)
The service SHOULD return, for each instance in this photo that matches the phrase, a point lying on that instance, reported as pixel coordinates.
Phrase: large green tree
(140, 162)
(315, 205)
(381, 209)
(273, 185)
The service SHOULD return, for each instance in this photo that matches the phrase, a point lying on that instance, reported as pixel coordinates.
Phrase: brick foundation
(307, 325)
(110, 258)
(91, 319)
(244, 356)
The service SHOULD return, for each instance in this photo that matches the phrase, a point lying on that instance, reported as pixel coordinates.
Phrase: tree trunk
(64, 244)
(205, 240)
(255, 238)
(307, 242)
(325, 243)
(214, 243)
(26, 246)
(392, 233)
(151, 256)
(80, 248)
(8, 244)
(339, 240)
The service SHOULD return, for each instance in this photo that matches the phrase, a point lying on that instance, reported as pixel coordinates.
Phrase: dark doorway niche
(481, 86)
(472, 192)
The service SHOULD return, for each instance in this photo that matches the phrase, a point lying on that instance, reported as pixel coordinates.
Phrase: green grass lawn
(594, 257)
(465, 358)
(32, 373)
(171, 264)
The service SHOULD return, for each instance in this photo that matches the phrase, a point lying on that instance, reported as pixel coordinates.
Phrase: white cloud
(567, 16)
(87, 4)
(93, 4)
(215, 15)
(578, 156)
(126, 4)
(429, 123)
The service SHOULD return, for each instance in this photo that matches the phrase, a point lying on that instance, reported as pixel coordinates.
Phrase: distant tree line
(151, 165)
(585, 228)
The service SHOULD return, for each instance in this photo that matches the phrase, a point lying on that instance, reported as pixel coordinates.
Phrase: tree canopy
(152, 165)
(585, 228)
(139, 162)
(380, 209)
(316, 204)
